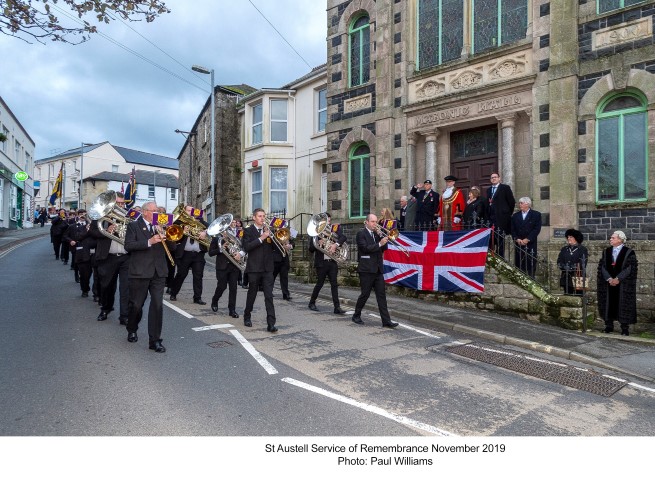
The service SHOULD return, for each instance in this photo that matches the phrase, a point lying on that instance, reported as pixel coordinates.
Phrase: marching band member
(190, 254)
(147, 274)
(327, 267)
(451, 206)
(227, 274)
(259, 267)
(84, 244)
(113, 267)
(370, 267)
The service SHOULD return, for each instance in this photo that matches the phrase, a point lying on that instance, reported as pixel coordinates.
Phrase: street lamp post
(199, 69)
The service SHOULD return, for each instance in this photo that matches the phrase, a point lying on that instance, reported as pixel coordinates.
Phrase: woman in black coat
(572, 261)
(617, 284)
(475, 213)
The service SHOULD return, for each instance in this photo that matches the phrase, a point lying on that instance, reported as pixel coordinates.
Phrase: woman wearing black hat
(572, 261)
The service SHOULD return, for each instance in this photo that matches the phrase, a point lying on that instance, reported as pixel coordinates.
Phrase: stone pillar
(507, 123)
(411, 160)
(431, 155)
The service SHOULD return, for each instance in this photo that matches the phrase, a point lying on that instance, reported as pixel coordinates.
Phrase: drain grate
(567, 375)
(220, 344)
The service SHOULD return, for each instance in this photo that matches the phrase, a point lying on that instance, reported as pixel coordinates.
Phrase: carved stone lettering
(357, 103)
(496, 103)
(622, 33)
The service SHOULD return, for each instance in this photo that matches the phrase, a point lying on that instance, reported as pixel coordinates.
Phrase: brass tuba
(195, 227)
(280, 236)
(232, 245)
(104, 209)
(323, 238)
(392, 235)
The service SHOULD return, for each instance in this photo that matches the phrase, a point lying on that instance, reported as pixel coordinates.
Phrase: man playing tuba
(326, 266)
(227, 273)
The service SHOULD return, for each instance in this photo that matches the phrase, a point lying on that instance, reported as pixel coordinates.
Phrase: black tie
(191, 241)
(152, 230)
(373, 237)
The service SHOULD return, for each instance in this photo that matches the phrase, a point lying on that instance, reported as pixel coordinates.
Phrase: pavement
(630, 356)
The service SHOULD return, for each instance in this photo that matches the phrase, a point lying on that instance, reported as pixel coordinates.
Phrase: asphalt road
(319, 375)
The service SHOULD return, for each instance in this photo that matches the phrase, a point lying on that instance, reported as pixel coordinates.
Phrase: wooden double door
(474, 156)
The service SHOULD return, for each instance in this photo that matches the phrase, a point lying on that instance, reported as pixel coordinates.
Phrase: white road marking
(374, 315)
(177, 309)
(641, 387)
(256, 355)
(418, 331)
(212, 327)
(370, 408)
(349, 312)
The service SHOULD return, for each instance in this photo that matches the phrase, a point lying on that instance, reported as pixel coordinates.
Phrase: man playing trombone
(370, 266)
(326, 266)
(259, 246)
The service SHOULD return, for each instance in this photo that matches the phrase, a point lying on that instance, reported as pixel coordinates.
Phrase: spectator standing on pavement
(572, 261)
(617, 284)
(427, 205)
(475, 212)
(526, 225)
(501, 206)
(407, 213)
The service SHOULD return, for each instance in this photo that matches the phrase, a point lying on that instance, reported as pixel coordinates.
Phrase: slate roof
(143, 177)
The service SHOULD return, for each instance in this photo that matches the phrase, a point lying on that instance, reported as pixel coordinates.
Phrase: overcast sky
(67, 94)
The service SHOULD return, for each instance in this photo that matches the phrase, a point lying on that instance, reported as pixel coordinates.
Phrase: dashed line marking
(270, 369)
(212, 327)
(178, 310)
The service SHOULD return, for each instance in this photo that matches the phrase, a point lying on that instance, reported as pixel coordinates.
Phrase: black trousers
(227, 278)
(194, 261)
(171, 275)
(113, 272)
(525, 259)
(139, 289)
(499, 241)
(266, 281)
(368, 282)
(329, 269)
(85, 270)
(282, 268)
(56, 245)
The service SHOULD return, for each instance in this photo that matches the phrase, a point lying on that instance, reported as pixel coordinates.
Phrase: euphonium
(392, 235)
(320, 229)
(232, 245)
(104, 209)
(280, 236)
(195, 227)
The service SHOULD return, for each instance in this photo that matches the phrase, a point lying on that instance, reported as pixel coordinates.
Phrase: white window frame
(259, 192)
(173, 194)
(151, 191)
(284, 121)
(2, 196)
(17, 152)
(320, 110)
(278, 190)
(13, 201)
(114, 168)
(5, 130)
(257, 124)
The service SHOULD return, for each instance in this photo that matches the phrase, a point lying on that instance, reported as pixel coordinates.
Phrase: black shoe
(339, 311)
(102, 316)
(157, 347)
(245, 286)
(132, 338)
(56, 257)
(390, 325)
(65, 262)
(200, 301)
(95, 298)
(214, 306)
(312, 306)
(357, 319)
(173, 298)
(168, 290)
(625, 333)
(234, 315)
(122, 321)
(271, 328)
(72, 267)
(85, 294)
(287, 297)
(608, 330)
(247, 322)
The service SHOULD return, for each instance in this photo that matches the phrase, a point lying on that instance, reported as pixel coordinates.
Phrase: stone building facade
(558, 96)
(194, 158)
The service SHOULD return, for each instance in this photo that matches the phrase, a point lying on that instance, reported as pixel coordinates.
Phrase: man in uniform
(451, 206)
(427, 203)
(327, 267)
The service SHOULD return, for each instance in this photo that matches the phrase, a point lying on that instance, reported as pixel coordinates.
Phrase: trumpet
(172, 233)
(232, 245)
(392, 235)
(195, 227)
(280, 236)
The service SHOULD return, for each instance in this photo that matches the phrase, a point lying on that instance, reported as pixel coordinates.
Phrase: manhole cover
(220, 344)
(567, 375)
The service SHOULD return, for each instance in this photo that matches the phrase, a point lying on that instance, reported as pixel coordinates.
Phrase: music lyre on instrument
(171, 233)
(280, 233)
(392, 235)
(233, 248)
(195, 228)
(323, 238)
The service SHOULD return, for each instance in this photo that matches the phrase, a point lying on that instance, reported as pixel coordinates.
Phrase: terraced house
(558, 96)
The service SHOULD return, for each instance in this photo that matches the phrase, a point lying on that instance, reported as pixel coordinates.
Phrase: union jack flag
(439, 261)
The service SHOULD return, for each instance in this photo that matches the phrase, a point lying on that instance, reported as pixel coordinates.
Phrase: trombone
(392, 235)
(280, 236)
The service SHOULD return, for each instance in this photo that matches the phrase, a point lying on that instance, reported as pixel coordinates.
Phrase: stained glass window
(496, 22)
(607, 5)
(360, 51)
(441, 31)
(621, 159)
(474, 143)
(360, 181)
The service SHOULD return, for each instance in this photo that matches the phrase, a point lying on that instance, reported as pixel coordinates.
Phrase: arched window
(359, 37)
(359, 177)
(621, 149)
